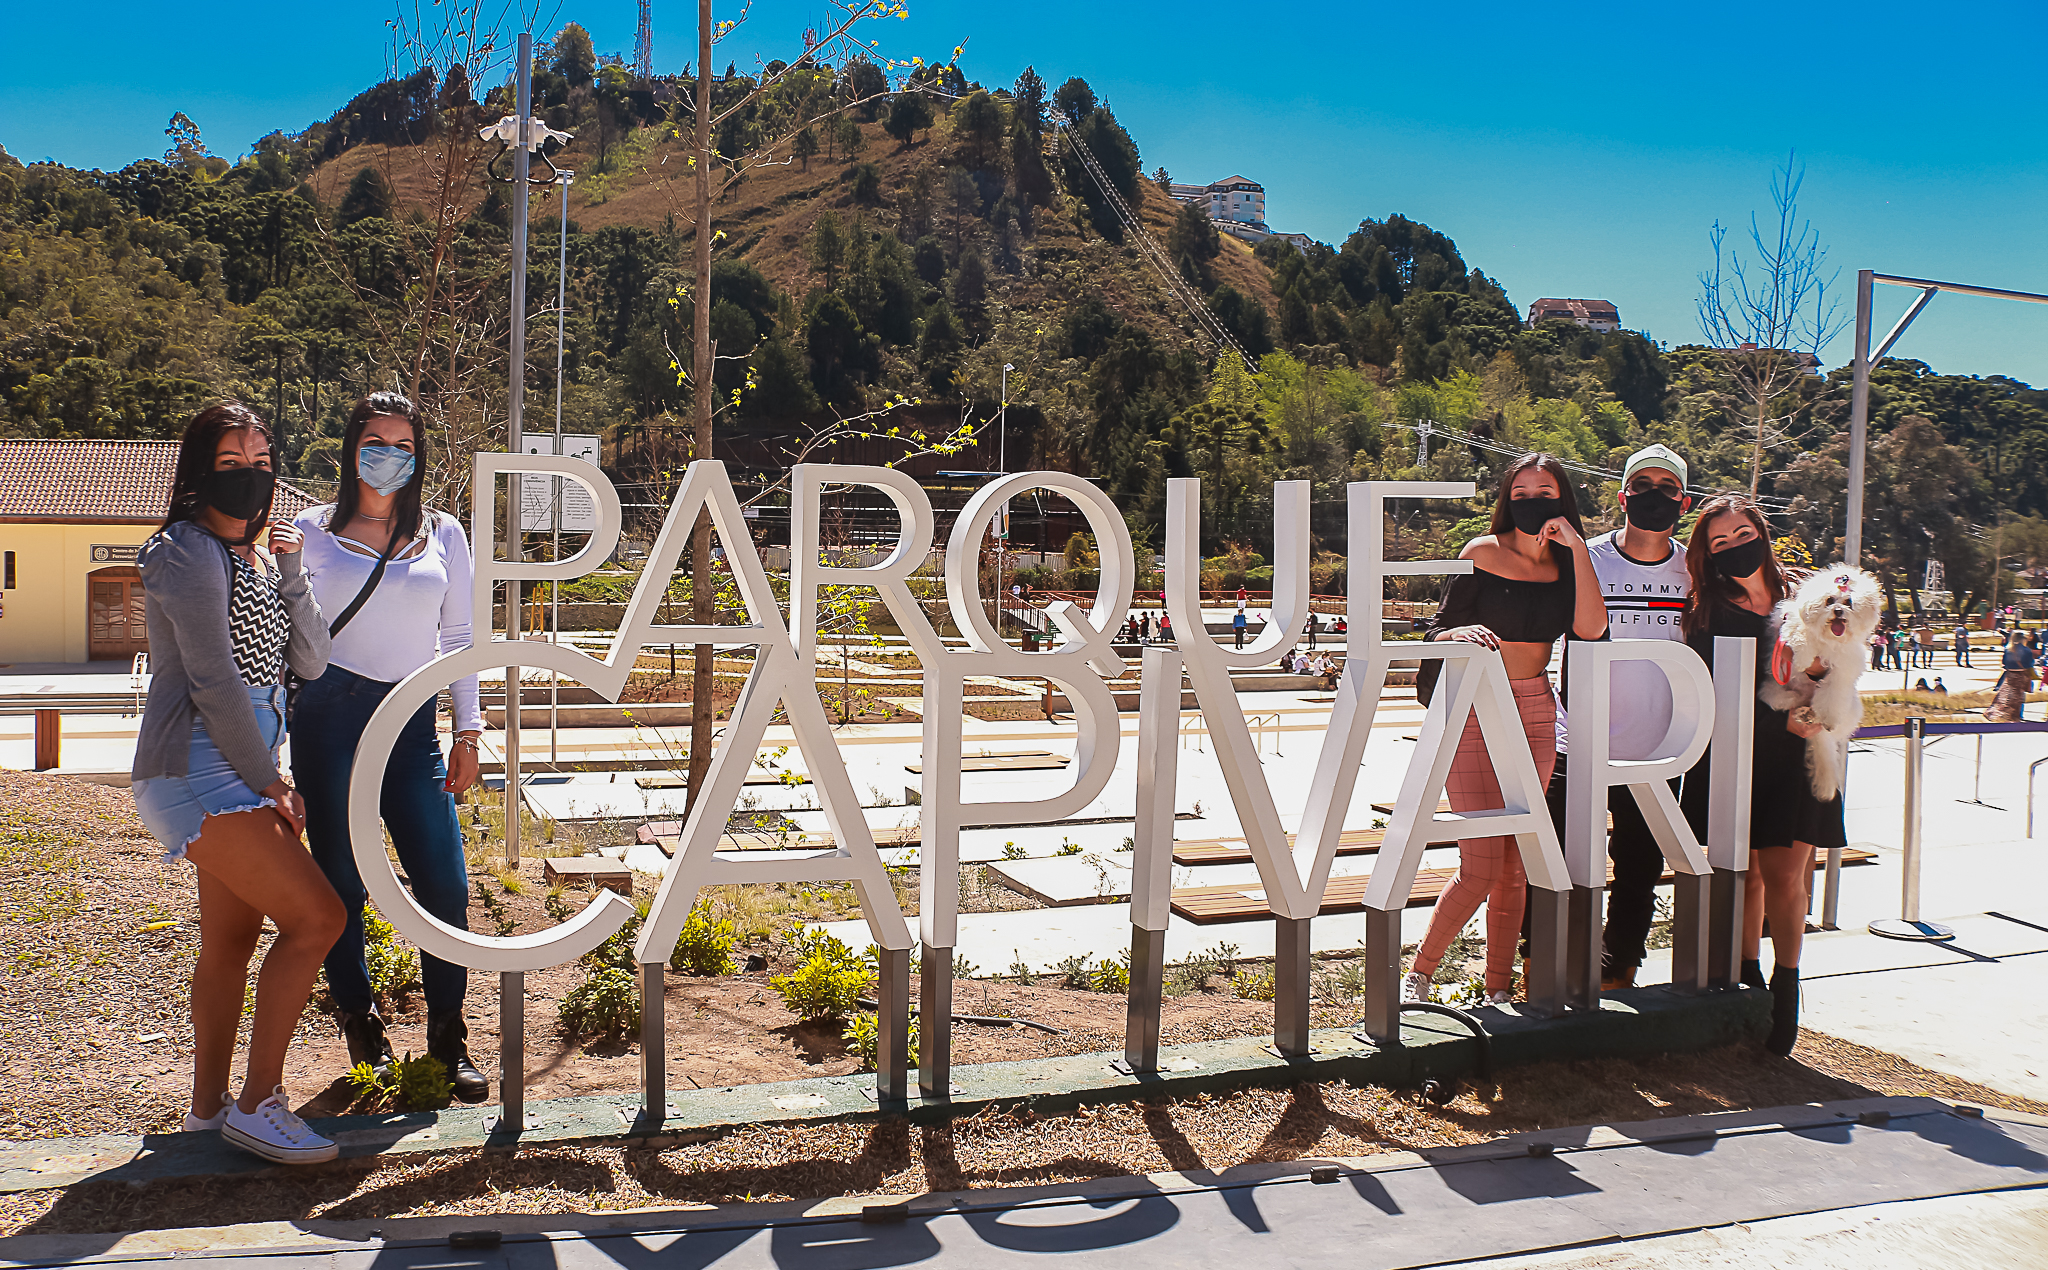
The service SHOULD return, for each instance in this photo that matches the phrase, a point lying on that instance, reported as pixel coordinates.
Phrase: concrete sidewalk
(1607, 1187)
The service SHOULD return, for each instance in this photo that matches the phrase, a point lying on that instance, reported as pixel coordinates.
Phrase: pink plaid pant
(1490, 869)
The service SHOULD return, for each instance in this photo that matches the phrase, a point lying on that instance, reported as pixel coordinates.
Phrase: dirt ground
(994, 1148)
(97, 941)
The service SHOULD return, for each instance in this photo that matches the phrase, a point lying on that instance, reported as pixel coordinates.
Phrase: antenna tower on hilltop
(643, 46)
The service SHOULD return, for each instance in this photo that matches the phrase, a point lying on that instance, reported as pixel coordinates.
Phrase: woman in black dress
(1735, 584)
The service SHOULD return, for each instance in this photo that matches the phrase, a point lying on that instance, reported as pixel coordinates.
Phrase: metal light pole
(563, 180)
(1003, 465)
(522, 168)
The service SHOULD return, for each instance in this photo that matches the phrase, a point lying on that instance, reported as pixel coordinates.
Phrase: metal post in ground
(1291, 965)
(1382, 960)
(1549, 957)
(654, 1105)
(1908, 924)
(1152, 855)
(892, 1026)
(522, 169)
(935, 1022)
(511, 1117)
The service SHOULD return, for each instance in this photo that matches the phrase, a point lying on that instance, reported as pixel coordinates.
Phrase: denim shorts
(175, 808)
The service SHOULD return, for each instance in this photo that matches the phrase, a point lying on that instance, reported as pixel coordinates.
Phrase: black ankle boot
(1784, 1011)
(365, 1036)
(1753, 972)
(448, 1040)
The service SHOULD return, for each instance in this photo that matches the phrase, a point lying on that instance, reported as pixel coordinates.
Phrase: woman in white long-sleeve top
(396, 578)
(225, 618)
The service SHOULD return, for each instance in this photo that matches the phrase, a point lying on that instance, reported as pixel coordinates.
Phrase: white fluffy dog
(1820, 640)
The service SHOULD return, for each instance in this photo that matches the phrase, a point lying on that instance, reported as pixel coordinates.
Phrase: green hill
(890, 258)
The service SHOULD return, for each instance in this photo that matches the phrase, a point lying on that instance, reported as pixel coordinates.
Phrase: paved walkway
(1842, 1166)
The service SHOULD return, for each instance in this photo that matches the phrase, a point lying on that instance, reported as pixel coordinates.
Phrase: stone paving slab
(1637, 1022)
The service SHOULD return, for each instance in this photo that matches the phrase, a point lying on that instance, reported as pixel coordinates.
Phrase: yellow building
(72, 514)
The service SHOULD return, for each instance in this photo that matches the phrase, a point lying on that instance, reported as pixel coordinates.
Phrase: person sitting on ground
(1920, 684)
(1940, 688)
(225, 621)
(1531, 581)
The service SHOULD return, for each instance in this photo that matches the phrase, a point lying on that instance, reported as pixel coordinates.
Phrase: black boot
(1753, 972)
(1784, 1011)
(448, 1040)
(366, 1044)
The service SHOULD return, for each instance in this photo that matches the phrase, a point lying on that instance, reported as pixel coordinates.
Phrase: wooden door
(115, 629)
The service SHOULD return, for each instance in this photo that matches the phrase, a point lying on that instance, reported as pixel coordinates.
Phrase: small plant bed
(1882, 708)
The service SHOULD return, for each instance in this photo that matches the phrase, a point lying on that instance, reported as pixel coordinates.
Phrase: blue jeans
(327, 723)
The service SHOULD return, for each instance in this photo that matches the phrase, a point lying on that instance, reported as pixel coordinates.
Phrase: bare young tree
(1770, 315)
(711, 173)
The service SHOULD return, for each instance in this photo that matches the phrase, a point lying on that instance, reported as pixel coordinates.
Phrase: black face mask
(1653, 510)
(1742, 560)
(1532, 514)
(238, 493)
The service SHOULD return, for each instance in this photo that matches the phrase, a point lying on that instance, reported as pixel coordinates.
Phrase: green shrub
(705, 947)
(1068, 848)
(393, 966)
(829, 981)
(1254, 985)
(1011, 851)
(863, 1037)
(410, 1084)
(1112, 975)
(616, 952)
(1073, 972)
(422, 1083)
(606, 1003)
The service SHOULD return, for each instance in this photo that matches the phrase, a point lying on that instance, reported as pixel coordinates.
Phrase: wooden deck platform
(1207, 905)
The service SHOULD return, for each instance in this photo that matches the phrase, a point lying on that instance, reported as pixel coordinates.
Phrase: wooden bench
(1236, 851)
(1207, 905)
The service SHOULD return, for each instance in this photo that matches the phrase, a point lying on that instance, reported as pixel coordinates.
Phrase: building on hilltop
(1594, 315)
(1237, 204)
(1234, 198)
(72, 515)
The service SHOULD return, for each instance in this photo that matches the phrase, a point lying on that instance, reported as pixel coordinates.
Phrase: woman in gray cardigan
(224, 620)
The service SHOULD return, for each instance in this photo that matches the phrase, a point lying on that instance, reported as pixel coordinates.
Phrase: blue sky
(1570, 150)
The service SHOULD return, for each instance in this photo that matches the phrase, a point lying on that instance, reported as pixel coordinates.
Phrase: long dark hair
(405, 513)
(196, 452)
(1710, 590)
(1548, 464)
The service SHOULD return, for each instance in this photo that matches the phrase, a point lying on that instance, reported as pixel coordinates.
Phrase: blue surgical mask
(384, 468)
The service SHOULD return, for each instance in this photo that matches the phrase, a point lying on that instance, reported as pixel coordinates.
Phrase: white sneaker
(1414, 986)
(274, 1133)
(1500, 998)
(212, 1123)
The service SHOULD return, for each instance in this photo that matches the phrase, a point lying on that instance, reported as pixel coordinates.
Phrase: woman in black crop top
(1735, 584)
(1531, 581)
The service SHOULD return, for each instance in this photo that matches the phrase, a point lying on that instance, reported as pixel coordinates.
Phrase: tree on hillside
(929, 259)
(1193, 243)
(805, 145)
(1209, 433)
(938, 349)
(1767, 313)
(828, 247)
(369, 196)
(1027, 100)
(1075, 100)
(963, 200)
(866, 185)
(909, 115)
(1244, 318)
(970, 288)
(866, 84)
(840, 350)
(848, 137)
(575, 58)
(978, 126)
(188, 148)
(1117, 155)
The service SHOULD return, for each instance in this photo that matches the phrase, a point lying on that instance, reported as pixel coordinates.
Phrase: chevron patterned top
(258, 626)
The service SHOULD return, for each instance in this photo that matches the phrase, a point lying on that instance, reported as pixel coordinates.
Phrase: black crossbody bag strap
(292, 681)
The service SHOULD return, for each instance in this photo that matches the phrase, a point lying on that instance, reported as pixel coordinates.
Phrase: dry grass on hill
(767, 217)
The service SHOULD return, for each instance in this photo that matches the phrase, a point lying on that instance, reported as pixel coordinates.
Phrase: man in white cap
(1644, 581)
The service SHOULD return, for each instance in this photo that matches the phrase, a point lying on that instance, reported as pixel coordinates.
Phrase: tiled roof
(1583, 310)
(100, 482)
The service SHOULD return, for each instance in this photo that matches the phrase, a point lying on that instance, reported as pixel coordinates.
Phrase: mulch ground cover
(97, 941)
